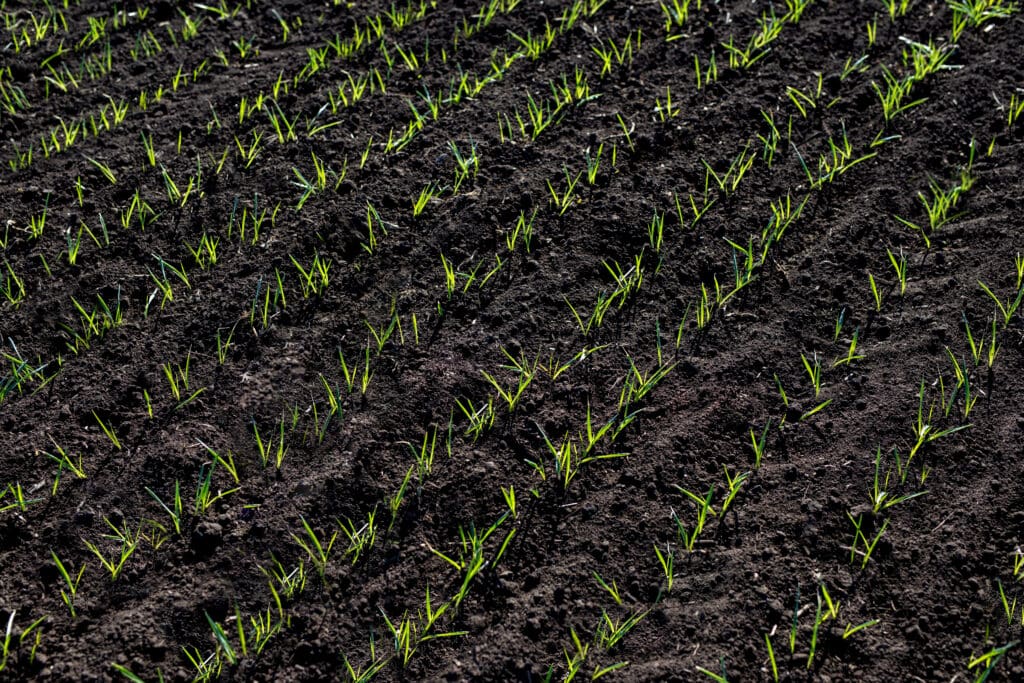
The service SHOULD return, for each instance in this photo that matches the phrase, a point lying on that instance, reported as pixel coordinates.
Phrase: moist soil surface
(732, 435)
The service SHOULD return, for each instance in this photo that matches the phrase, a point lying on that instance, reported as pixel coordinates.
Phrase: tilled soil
(441, 361)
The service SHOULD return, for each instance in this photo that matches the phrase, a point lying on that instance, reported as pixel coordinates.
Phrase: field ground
(490, 340)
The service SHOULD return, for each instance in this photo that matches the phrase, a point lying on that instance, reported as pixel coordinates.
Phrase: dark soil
(933, 579)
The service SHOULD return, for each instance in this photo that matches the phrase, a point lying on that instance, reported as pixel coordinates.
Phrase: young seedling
(104, 169)
(667, 561)
(831, 610)
(1018, 563)
(12, 285)
(568, 460)
(224, 646)
(37, 224)
(381, 335)
(225, 461)
(130, 675)
(174, 511)
(894, 93)
(539, 116)
(989, 660)
(813, 648)
(813, 371)
(1012, 303)
(317, 278)
(373, 218)
(466, 166)
(942, 201)
(18, 501)
(178, 380)
(612, 590)
(206, 668)
(854, 66)
(564, 200)
(424, 455)
(637, 385)
(977, 346)
(266, 449)
(396, 499)
(771, 657)
(376, 664)
(801, 100)
(5, 645)
(481, 419)
(223, 345)
(698, 212)
(574, 661)
(851, 629)
(509, 495)
(710, 74)
(900, 266)
(525, 374)
(65, 462)
(108, 431)
(722, 677)
(876, 294)
(758, 443)
(471, 560)
(861, 540)
(782, 393)
(665, 110)
(68, 596)
(360, 539)
(591, 437)
(627, 132)
(448, 269)
(924, 430)
(205, 253)
(593, 164)
(881, 498)
(318, 551)
(1010, 609)
(163, 287)
(289, 584)
(769, 141)
(205, 498)
(703, 504)
(408, 636)
(729, 181)
(353, 377)
(656, 231)
(611, 632)
(129, 542)
(419, 204)
(896, 8)
(851, 354)
(794, 624)
(734, 482)
(284, 127)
